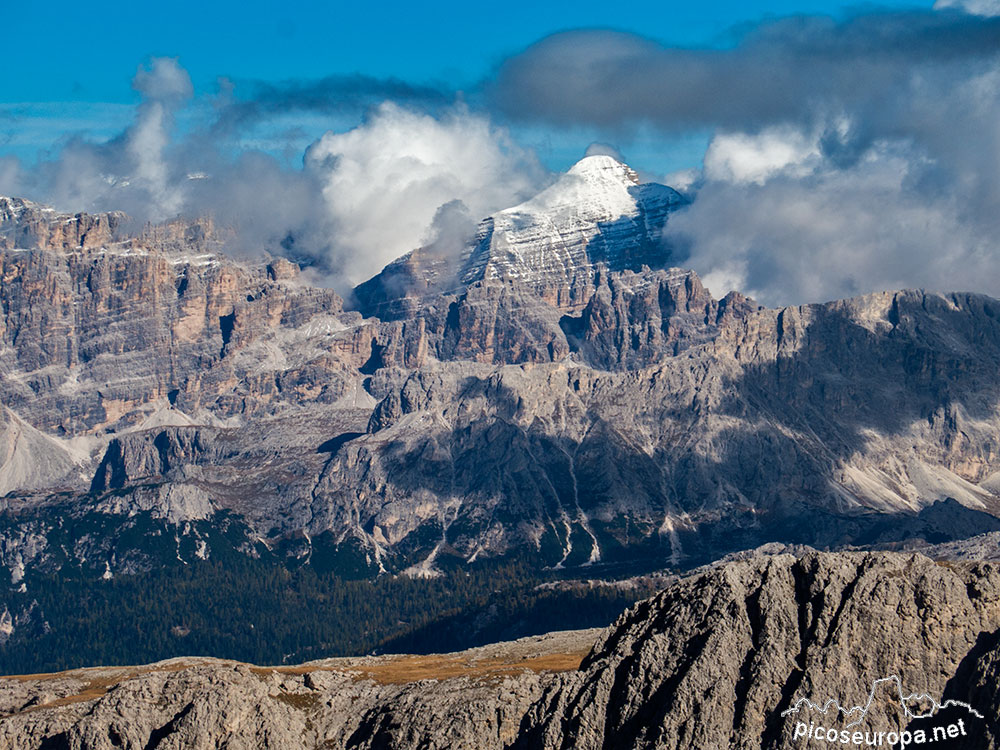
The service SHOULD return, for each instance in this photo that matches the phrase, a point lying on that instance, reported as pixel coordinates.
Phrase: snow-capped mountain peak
(602, 168)
(598, 212)
(600, 186)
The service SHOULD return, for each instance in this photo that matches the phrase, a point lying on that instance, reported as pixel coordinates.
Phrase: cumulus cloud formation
(833, 233)
(164, 87)
(787, 223)
(360, 198)
(384, 181)
(133, 172)
(742, 157)
(794, 216)
(399, 180)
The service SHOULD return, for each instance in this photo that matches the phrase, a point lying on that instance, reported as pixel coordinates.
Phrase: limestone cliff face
(657, 422)
(749, 421)
(634, 320)
(713, 661)
(26, 225)
(643, 420)
(96, 340)
(630, 320)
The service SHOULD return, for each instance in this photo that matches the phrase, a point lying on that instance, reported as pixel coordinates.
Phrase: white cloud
(835, 232)
(364, 197)
(682, 180)
(10, 176)
(899, 195)
(165, 85)
(597, 148)
(742, 157)
(134, 171)
(163, 81)
(976, 7)
(384, 181)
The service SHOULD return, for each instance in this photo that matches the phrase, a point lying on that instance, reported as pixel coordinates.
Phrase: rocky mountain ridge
(637, 421)
(821, 626)
(27, 225)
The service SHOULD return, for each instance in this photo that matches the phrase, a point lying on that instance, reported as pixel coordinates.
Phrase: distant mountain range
(554, 389)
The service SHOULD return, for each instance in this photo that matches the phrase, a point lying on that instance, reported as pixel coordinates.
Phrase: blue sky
(69, 51)
(74, 61)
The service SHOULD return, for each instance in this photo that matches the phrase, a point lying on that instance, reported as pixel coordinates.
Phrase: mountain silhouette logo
(952, 725)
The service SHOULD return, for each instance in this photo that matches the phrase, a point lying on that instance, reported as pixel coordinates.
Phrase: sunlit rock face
(567, 395)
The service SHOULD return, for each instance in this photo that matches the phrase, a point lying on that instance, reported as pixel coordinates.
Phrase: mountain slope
(166, 404)
(652, 424)
(840, 413)
(597, 213)
(715, 660)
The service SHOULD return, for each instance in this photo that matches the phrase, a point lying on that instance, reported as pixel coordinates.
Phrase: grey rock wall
(711, 662)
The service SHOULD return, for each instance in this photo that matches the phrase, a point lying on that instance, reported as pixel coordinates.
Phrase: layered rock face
(750, 421)
(715, 660)
(628, 417)
(97, 340)
(108, 337)
(27, 225)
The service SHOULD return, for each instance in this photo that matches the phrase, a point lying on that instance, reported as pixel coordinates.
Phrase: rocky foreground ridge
(713, 661)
